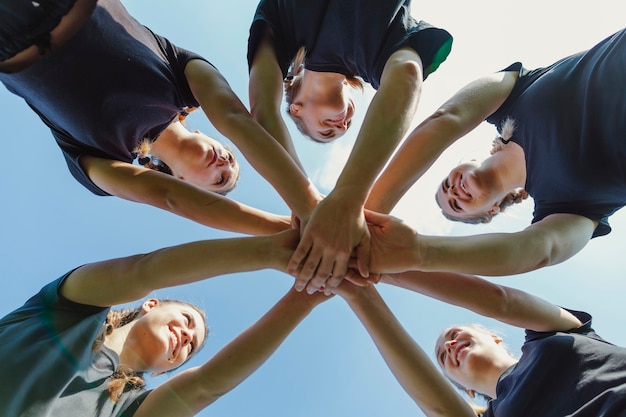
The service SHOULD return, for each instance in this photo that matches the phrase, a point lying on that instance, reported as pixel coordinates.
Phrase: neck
(165, 147)
(507, 167)
(491, 377)
(117, 341)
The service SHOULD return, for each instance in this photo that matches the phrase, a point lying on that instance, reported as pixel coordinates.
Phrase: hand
(335, 230)
(393, 243)
(282, 246)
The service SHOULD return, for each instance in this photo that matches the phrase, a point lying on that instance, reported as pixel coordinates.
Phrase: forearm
(248, 351)
(99, 283)
(499, 302)
(406, 359)
(548, 242)
(387, 120)
(273, 162)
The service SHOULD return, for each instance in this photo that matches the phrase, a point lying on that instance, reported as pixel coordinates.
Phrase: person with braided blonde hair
(563, 129)
(72, 355)
(318, 51)
(109, 106)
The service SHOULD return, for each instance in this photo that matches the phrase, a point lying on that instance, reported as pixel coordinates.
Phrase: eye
(188, 318)
(220, 181)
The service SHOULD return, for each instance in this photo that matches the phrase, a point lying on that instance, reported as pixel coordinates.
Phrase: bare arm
(337, 226)
(228, 114)
(265, 89)
(508, 305)
(396, 247)
(463, 112)
(189, 392)
(160, 190)
(99, 283)
(411, 366)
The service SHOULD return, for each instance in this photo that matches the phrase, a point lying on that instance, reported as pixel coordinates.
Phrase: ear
(496, 339)
(494, 210)
(294, 108)
(471, 393)
(149, 304)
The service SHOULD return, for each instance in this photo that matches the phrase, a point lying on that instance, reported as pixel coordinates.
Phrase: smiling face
(167, 334)
(208, 164)
(327, 114)
(466, 353)
(464, 194)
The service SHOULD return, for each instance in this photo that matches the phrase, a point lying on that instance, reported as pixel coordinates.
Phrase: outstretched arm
(396, 247)
(190, 391)
(135, 183)
(455, 118)
(508, 305)
(411, 366)
(228, 114)
(265, 89)
(337, 226)
(123, 280)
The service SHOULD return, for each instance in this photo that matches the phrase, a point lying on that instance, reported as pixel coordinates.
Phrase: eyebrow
(192, 325)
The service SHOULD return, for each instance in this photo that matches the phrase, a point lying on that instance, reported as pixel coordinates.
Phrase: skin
(163, 336)
(324, 104)
(473, 358)
(197, 158)
(180, 194)
(335, 228)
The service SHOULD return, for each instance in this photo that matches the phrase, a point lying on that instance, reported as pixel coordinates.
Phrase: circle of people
(558, 140)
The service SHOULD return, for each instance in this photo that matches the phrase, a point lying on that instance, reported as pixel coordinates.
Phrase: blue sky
(49, 223)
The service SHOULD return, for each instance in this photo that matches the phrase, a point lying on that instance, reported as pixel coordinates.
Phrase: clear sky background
(50, 223)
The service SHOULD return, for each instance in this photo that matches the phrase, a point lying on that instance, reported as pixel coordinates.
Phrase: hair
(516, 196)
(124, 378)
(471, 394)
(293, 83)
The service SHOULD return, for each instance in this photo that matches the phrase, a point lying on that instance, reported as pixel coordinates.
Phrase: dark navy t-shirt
(49, 366)
(112, 85)
(349, 37)
(570, 120)
(574, 373)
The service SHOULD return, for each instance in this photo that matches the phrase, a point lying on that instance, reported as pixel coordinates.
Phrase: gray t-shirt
(49, 368)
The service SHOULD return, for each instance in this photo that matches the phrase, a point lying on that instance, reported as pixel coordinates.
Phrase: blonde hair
(124, 378)
(293, 82)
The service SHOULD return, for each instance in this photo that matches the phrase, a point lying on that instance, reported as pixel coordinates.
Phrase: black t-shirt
(110, 86)
(349, 37)
(570, 120)
(574, 373)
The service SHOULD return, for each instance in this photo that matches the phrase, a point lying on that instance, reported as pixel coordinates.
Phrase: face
(167, 334)
(465, 352)
(464, 195)
(328, 116)
(208, 164)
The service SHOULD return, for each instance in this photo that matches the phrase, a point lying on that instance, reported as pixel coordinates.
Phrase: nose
(449, 345)
(185, 337)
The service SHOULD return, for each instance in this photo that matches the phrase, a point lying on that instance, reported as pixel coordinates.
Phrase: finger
(317, 284)
(363, 254)
(298, 256)
(354, 278)
(308, 269)
(375, 218)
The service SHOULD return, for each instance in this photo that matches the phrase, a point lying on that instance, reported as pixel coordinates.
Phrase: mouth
(213, 158)
(459, 351)
(463, 187)
(174, 342)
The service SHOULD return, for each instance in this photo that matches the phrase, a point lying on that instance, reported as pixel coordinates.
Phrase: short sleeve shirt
(49, 362)
(575, 373)
(112, 85)
(570, 121)
(349, 37)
